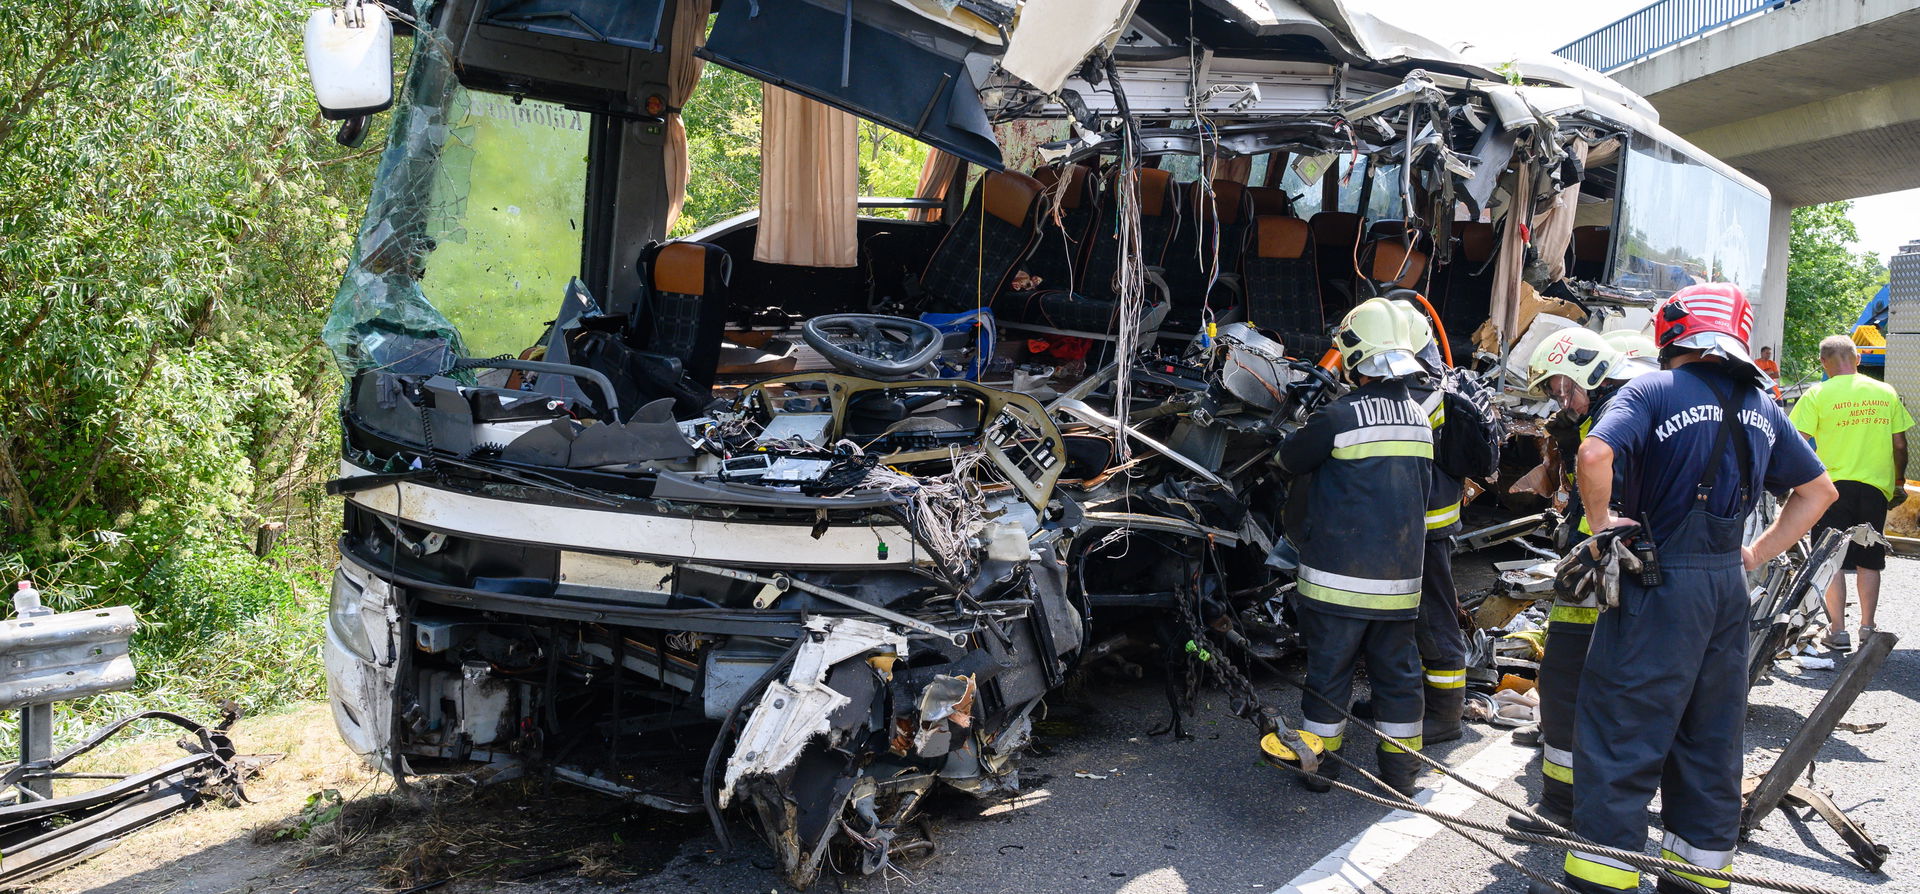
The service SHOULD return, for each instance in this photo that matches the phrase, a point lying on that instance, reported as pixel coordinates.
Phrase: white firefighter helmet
(1632, 343)
(1425, 349)
(1642, 355)
(1375, 339)
(1578, 353)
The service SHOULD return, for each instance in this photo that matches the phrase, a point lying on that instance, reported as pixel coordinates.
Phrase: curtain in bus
(683, 74)
(1553, 228)
(936, 175)
(1504, 306)
(1236, 169)
(808, 182)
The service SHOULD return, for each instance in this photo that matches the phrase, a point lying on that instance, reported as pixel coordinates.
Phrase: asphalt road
(1113, 808)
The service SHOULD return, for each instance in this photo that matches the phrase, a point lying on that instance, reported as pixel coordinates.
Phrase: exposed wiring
(943, 511)
(1206, 245)
(1129, 279)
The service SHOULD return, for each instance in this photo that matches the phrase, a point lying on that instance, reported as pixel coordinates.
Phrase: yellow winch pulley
(1274, 751)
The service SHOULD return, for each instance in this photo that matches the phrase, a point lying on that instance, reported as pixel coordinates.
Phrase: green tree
(723, 152)
(723, 148)
(890, 163)
(172, 224)
(1827, 284)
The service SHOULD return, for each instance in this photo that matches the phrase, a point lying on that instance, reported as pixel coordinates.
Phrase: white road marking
(1368, 856)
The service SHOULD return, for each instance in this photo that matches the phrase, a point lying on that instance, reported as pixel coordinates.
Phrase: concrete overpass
(1817, 99)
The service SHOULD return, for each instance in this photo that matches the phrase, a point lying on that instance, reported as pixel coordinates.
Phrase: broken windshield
(508, 235)
(473, 229)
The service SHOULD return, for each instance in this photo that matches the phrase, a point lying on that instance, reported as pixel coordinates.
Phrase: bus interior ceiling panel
(549, 62)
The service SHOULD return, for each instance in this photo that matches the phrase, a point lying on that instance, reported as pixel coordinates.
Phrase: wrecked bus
(803, 515)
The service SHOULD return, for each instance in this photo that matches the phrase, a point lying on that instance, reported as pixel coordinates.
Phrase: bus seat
(685, 314)
(1386, 229)
(1268, 200)
(1159, 217)
(1391, 264)
(1336, 237)
(1589, 253)
(1469, 284)
(1235, 204)
(1477, 241)
(986, 242)
(1283, 284)
(1092, 310)
(1059, 255)
(1191, 255)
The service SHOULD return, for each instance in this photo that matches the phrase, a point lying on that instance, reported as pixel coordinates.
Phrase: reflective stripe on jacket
(1365, 464)
(1443, 503)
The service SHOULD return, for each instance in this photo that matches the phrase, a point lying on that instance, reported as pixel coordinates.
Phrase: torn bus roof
(917, 80)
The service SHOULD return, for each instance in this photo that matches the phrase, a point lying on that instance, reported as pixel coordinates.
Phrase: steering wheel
(873, 344)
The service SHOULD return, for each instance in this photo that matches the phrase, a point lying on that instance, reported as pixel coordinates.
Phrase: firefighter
(1466, 443)
(1361, 470)
(1664, 692)
(1581, 371)
(1636, 347)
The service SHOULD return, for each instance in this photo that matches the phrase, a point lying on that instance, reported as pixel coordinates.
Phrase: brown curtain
(1235, 169)
(936, 175)
(683, 74)
(1507, 273)
(809, 180)
(1553, 228)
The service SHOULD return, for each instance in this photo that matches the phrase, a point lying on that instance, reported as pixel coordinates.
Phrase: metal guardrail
(1659, 26)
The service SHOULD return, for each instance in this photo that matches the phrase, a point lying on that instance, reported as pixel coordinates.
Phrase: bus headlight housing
(345, 615)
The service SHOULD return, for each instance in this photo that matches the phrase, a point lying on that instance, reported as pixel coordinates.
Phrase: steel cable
(1407, 803)
(1571, 841)
(1649, 862)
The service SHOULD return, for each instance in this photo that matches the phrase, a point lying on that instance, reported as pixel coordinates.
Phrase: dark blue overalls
(1664, 697)
(1569, 633)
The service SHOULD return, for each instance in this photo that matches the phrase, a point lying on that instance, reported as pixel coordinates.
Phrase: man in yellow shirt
(1858, 426)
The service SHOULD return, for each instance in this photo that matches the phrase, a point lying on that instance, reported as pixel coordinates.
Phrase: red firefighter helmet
(1712, 317)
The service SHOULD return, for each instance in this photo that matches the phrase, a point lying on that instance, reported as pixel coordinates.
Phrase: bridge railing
(1658, 27)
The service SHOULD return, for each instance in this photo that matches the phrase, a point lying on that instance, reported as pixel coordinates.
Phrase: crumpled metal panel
(795, 710)
(1903, 373)
(1348, 30)
(51, 658)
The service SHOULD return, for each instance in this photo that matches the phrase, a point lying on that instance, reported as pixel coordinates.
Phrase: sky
(1885, 222)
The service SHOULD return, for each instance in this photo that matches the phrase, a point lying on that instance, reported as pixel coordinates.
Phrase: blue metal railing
(1658, 27)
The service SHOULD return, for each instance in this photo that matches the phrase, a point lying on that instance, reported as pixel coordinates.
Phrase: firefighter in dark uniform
(1362, 464)
(1664, 694)
(1465, 442)
(1581, 371)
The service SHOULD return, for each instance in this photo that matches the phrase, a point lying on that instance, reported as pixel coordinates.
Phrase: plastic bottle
(26, 600)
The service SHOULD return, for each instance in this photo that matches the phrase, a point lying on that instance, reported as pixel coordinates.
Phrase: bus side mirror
(350, 61)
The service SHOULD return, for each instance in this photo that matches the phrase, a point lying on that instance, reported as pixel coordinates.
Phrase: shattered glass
(381, 318)
(473, 229)
(514, 193)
